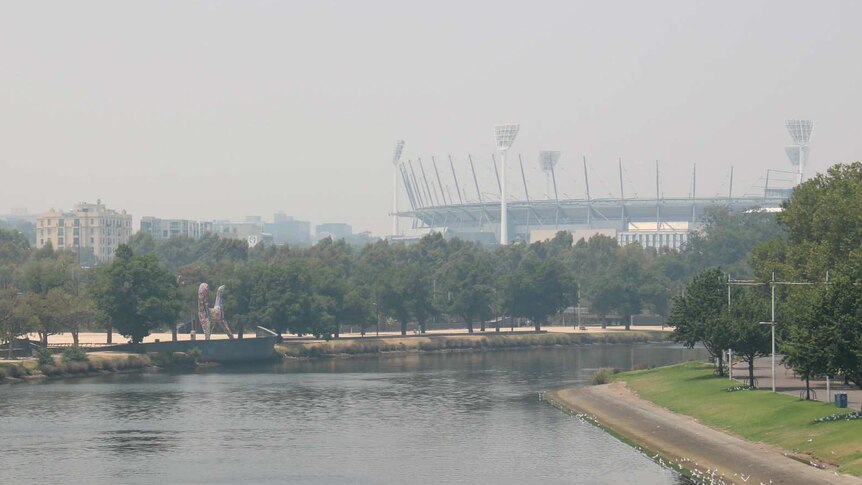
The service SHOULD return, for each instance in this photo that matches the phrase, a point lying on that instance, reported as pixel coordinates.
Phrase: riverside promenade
(786, 382)
(99, 338)
(714, 456)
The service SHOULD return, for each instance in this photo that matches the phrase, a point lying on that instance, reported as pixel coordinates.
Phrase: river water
(415, 418)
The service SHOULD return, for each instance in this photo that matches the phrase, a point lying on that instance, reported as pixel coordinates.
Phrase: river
(415, 418)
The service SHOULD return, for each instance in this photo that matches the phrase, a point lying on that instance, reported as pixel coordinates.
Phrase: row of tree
(815, 270)
(318, 290)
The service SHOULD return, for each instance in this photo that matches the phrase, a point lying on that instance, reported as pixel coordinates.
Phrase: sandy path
(683, 438)
(99, 338)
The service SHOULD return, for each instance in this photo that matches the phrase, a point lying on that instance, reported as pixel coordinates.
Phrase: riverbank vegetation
(72, 362)
(784, 421)
(814, 273)
(321, 289)
(492, 341)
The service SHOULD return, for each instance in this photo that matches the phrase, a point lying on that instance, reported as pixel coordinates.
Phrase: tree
(466, 278)
(749, 339)
(16, 316)
(541, 289)
(699, 315)
(14, 249)
(837, 326)
(63, 311)
(400, 288)
(47, 270)
(136, 294)
(727, 239)
(142, 243)
(823, 222)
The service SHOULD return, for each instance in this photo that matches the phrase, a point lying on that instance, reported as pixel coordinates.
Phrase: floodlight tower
(547, 161)
(800, 131)
(396, 158)
(505, 135)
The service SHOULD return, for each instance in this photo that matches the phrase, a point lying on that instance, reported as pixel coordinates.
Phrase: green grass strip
(758, 415)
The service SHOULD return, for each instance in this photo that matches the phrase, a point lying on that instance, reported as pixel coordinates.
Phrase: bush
(77, 366)
(44, 356)
(74, 354)
(195, 353)
(603, 375)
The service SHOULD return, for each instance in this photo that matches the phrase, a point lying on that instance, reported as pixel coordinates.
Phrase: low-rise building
(87, 226)
(167, 228)
(287, 230)
(335, 230)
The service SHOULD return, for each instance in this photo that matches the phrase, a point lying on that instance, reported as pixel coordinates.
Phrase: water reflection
(136, 441)
(427, 418)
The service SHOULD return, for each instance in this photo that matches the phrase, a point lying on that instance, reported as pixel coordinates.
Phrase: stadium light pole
(547, 161)
(800, 131)
(505, 135)
(396, 158)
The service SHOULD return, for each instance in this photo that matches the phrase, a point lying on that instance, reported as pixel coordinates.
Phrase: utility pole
(772, 283)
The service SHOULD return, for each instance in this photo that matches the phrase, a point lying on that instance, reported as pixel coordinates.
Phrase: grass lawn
(777, 419)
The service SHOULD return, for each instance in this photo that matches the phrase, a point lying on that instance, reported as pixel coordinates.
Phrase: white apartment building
(87, 226)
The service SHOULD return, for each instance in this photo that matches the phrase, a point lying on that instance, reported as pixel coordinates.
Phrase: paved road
(786, 382)
(688, 442)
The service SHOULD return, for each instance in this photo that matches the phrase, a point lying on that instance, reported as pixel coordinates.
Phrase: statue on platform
(212, 316)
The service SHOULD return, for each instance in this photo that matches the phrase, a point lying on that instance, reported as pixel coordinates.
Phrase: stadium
(473, 214)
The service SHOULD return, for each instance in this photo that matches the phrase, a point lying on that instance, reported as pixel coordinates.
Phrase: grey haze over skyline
(224, 109)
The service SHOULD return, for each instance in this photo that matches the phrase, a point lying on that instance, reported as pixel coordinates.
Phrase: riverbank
(459, 342)
(16, 371)
(688, 420)
(98, 339)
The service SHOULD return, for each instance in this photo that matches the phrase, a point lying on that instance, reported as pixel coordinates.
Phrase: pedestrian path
(787, 382)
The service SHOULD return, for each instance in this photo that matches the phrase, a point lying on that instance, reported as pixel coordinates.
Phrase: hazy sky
(221, 109)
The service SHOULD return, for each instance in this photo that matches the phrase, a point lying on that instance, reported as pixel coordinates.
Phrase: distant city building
(87, 226)
(236, 230)
(287, 230)
(335, 230)
(19, 219)
(167, 228)
(18, 214)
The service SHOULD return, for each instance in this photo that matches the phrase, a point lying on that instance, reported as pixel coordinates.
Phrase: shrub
(77, 367)
(195, 353)
(44, 356)
(161, 359)
(603, 375)
(74, 354)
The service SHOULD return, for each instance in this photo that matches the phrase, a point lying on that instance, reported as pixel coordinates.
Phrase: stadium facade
(659, 222)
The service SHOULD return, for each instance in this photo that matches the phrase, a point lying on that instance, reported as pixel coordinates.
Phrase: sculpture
(212, 316)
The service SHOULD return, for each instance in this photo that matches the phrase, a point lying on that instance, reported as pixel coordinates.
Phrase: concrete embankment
(683, 444)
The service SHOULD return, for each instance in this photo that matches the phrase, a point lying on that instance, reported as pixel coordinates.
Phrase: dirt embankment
(685, 445)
